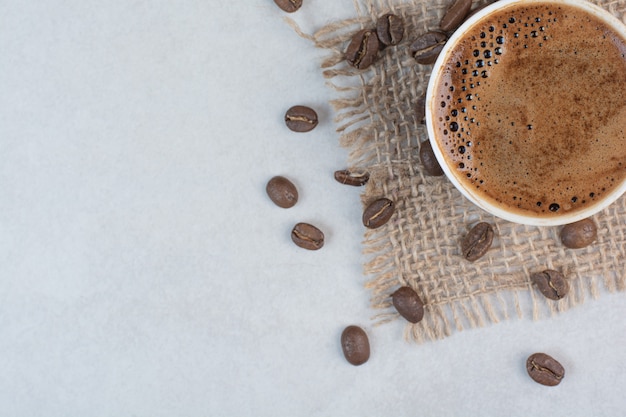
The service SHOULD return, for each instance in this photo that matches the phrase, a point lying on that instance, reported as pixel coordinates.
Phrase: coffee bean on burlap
(477, 242)
(409, 304)
(552, 284)
(426, 48)
(354, 178)
(429, 160)
(390, 29)
(363, 49)
(579, 234)
(455, 15)
(378, 213)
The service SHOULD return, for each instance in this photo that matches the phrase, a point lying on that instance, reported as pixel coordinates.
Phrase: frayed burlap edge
(419, 247)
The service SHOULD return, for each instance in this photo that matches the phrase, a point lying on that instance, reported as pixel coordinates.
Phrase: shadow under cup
(526, 111)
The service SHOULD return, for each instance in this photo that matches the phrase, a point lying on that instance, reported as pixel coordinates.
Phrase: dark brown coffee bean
(409, 304)
(282, 192)
(390, 29)
(552, 284)
(455, 15)
(429, 161)
(477, 242)
(544, 369)
(420, 108)
(289, 6)
(355, 345)
(378, 213)
(355, 179)
(363, 49)
(307, 236)
(580, 234)
(301, 118)
(427, 47)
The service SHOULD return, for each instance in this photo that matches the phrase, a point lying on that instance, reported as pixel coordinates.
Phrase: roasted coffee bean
(307, 236)
(301, 118)
(282, 192)
(552, 284)
(420, 108)
(289, 6)
(390, 29)
(356, 179)
(429, 161)
(477, 242)
(355, 345)
(363, 49)
(427, 47)
(378, 213)
(544, 369)
(580, 234)
(455, 15)
(409, 304)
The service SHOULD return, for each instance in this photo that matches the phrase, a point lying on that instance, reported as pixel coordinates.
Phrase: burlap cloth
(420, 246)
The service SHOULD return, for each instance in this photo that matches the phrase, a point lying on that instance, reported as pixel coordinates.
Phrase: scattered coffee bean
(282, 192)
(455, 15)
(409, 304)
(363, 49)
(477, 242)
(544, 369)
(355, 345)
(390, 29)
(307, 236)
(356, 179)
(552, 284)
(301, 118)
(420, 108)
(289, 6)
(427, 47)
(429, 161)
(378, 213)
(579, 234)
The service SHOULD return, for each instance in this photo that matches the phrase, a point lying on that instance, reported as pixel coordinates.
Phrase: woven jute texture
(420, 246)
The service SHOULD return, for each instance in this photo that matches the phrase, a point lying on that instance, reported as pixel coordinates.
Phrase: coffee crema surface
(531, 108)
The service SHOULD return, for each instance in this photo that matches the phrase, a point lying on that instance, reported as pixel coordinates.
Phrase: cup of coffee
(526, 110)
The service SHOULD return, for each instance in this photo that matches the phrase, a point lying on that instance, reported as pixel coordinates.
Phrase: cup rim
(528, 219)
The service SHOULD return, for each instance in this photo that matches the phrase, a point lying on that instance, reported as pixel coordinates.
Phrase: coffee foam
(531, 110)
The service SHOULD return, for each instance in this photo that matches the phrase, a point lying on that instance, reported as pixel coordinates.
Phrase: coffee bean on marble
(408, 304)
(355, 345)
(289, 6)
(282, 192)
(429, 160)
(552, 284)
(378, 213)
(363, 49)
(544, 369)
(427, 47)
(477, 242)
(579, 234)
(390, 29)
(301, 118)
(307, 236)
(455, 15)
(354, 178)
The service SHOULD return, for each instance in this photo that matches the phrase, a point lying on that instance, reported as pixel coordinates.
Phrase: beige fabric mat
(420, 246)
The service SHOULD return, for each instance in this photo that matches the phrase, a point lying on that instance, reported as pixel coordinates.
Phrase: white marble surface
(144, 272)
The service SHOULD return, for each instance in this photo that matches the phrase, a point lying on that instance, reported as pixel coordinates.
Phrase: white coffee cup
(500, 210)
